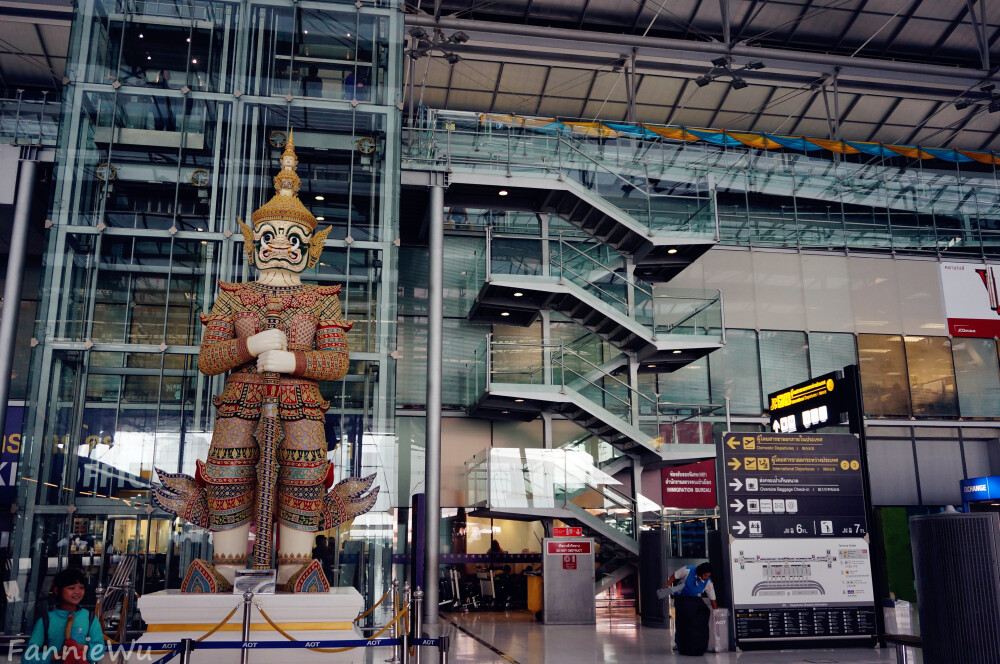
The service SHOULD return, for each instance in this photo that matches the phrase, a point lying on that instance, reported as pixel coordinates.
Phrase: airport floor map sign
(798, 537)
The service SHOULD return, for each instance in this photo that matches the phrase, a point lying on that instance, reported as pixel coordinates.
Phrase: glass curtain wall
(172, 124)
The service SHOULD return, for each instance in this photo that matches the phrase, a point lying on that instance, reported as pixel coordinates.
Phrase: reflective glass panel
(932, 376)
(735, 373)
(977, 377)
(830, 351)
(883, 375)
(784, 359)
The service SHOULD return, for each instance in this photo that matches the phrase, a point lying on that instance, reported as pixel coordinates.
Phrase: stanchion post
(247, 606)
(444, 643)
(187, 645)
(98, 609)
(407, 598)
(418, 620)
(394, 630)
(404, 643)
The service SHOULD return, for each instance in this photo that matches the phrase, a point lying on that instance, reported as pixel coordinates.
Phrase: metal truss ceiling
(872, 70)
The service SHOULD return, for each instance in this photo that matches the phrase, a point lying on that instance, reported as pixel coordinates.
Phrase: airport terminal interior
(628, 287)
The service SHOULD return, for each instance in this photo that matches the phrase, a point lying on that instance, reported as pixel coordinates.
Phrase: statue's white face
(282, 245)
(288, 162)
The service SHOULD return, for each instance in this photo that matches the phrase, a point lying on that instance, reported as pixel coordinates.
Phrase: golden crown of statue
(285, 203)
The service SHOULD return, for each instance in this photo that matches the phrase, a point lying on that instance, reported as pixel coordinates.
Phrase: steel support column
(432, 452)
(14, 277)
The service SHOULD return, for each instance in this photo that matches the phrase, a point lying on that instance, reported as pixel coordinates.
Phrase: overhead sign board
(689, 486)
(820, 402)
(799, 550)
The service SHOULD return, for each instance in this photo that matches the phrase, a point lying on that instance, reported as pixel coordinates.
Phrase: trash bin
(718, 636)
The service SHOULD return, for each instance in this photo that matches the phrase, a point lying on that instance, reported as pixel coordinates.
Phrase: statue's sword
(269, 435)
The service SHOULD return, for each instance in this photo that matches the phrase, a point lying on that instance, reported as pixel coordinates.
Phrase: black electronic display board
(820, 402)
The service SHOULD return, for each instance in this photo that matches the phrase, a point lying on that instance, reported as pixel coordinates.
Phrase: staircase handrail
(635, 283)
(671, 326)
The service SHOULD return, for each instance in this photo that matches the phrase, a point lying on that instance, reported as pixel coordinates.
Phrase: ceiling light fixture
(505, 313)
(502, 192)
(320, 198)
(672, 250)
(676, 352)
(320, 218)
(518, 400)
(722, 67)
(518, 294)
(986, 96)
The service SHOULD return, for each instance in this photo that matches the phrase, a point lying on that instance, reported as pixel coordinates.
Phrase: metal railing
(935, 207)
(509, 478)
(29, 119)
(554, 155)
(514, 362)
(662, 310)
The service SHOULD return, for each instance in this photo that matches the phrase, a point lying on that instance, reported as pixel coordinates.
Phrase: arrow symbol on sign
(739, 528)
(738, 505)
(733, 443)
(734, 464)
(736, 484)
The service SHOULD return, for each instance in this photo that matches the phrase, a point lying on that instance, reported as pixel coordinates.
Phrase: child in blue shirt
(67, 621)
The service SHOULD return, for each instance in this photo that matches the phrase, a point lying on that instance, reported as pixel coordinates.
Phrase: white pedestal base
(173, 616)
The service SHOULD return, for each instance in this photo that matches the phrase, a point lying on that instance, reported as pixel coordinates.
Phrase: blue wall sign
(977, 489)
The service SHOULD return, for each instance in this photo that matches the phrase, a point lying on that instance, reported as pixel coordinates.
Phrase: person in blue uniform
(695, 582)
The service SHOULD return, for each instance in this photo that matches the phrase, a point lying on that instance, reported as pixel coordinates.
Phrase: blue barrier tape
(166, 658)
(175, 646)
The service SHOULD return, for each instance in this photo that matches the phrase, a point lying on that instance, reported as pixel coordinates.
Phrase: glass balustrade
(29, 120)
(507, 479)
(500, 361)
(553, 156)
(600, 272)
(763, 198)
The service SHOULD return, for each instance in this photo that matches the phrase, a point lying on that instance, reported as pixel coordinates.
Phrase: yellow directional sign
(734, 464)
(763, 463)
(750, 463)
(749, 442)
(733, 443)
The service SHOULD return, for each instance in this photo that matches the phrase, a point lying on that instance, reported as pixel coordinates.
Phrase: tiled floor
(616, 639)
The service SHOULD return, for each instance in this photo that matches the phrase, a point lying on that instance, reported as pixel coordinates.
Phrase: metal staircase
(528, 484)
(556, 174)
(589, 283)
(511, 379)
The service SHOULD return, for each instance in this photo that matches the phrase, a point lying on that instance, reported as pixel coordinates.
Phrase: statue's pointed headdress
(286, 206)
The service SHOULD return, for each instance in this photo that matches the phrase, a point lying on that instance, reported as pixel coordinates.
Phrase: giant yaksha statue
(267, 462)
